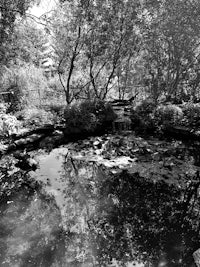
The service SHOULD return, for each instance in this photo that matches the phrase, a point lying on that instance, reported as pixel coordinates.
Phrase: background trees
(92, 39)
(109, 49)
(171, 44)
(10, 12)
(104, 45)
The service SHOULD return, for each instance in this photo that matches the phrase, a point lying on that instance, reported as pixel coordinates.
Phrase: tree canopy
(10, 12)
(107, 44)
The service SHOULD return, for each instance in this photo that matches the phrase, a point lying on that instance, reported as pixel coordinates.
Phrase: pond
(78, 213)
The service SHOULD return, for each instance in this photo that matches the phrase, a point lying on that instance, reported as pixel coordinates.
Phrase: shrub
(57, 111)
(136, 120)
(168, 114)
(145, 108)
(79, 120)
(192, 114)
(88, 116)
(103, 111)
(3, 108)
(142, 116)
(35, 117)
(8, 124)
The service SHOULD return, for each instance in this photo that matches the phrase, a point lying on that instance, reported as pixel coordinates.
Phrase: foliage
(142, 116)
(79, 120)
(8, 125)
(102, 110)
(135, 119)
(54, 88)
(168, 114)
(29, 43)
(35, 117)
(86, 117)
(26, 84)
(10, 11)
(171, 40)
(192, 114)
(3, 107)
(91, 42)
(57, 110)
(146, 107)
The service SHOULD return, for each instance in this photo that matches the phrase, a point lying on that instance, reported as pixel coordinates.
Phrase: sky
(44, 7)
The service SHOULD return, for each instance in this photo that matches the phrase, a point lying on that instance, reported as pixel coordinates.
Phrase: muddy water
(86, 215)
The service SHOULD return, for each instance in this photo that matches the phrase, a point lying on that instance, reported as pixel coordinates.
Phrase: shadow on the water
(97, 217)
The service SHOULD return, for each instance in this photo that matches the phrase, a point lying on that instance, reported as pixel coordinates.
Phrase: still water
(85, 215)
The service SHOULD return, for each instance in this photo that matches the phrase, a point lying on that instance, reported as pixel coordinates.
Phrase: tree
(68, 42)
(92, 38)
(10, 11)
(28, 44)
(112, 39)
(171, 44)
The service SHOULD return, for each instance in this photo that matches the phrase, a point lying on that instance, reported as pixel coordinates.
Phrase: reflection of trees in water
(31, 234)
(129, 218)
(147, 219)
(106, 216)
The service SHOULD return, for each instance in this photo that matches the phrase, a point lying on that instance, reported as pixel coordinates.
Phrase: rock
(25, 162)
(97, 144)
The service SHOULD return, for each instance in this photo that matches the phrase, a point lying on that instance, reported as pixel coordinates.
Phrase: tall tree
(92, 37)
(69, 32)
(112, 39)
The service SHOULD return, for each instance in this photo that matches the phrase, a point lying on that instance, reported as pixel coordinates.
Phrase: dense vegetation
(99, 50)
(61, 75)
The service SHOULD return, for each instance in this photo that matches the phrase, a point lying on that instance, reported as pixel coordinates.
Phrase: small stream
(83, 214)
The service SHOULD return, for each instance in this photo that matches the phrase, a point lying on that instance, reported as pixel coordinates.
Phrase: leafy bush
(168, 114)
(136, 119)
(57, 111)
(191, 114)
(79, 120)
(8, 124)
(145, 108)
(103, 111)
(35, 117)
(3, 108)
(142, 116)
(88, 116)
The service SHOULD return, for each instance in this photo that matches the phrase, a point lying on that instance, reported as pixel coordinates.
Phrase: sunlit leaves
(9, 11)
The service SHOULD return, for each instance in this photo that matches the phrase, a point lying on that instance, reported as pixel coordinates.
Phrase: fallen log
(25, 142)
(46, 129)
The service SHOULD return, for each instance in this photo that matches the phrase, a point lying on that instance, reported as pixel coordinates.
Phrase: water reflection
(30, 227)
(115, 219)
